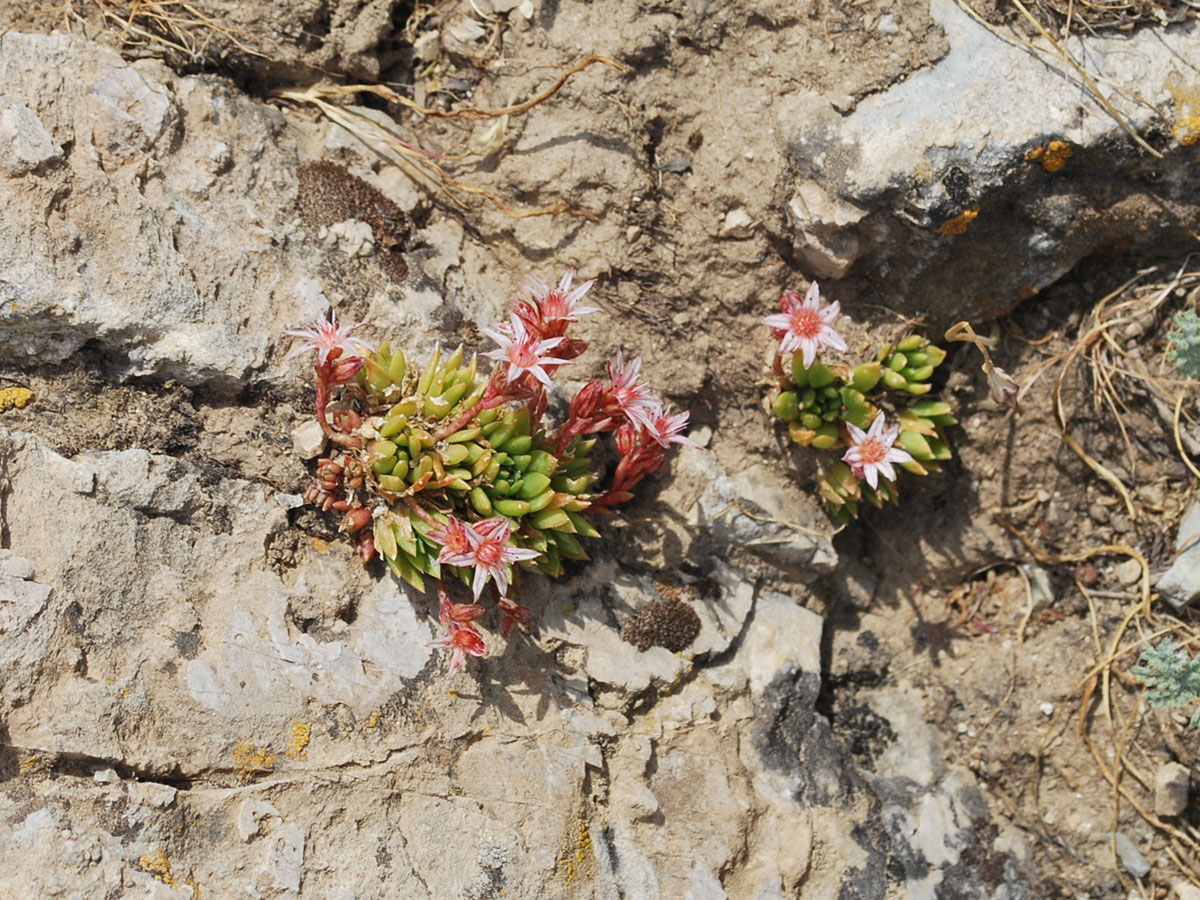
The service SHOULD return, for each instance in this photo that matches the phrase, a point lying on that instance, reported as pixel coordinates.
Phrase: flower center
(872, 452)
(806, 323)
(489, 553)
(554, 306)
(522, 355)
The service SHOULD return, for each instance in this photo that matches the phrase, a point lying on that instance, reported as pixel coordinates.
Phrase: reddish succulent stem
(421, 512)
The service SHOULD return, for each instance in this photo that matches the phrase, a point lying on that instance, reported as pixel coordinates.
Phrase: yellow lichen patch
(321, 545)
(577, 858)
(1187, 109)
(191, 882)
(372, 719)
(32, 763)
(1053, 156)
(301, 734)
(959, 223)
(14, 398)
(250, 761)
(159, 866)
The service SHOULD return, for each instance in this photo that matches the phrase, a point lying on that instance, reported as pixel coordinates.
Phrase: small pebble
(106, 776)
(1131, 857)
(1047, 709)
(1171, 785)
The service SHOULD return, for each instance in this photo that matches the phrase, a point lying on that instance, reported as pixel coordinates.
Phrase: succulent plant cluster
(831, 406)
(447, 472)
(497, 463)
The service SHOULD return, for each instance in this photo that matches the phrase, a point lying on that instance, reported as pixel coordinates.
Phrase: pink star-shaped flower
(327, 336)
(523, 351)
(803, 325)
(871, 452)
(666, 426)
(560, 304)
(487, 552)
(635, 400)
(462, 641)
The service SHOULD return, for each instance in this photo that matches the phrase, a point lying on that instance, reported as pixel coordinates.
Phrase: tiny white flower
(871, 452)
(802, 324)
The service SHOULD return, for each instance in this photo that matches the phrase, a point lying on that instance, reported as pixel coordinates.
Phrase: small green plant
(1183, 340)
(1172, 678)
(453, 474)
(828, 407)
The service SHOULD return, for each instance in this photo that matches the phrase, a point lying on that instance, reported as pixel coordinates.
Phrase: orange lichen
(301, 735)
(159, 866)
(1053, 156)
(580, 854)
(959, 223)
(14, 398)
(250, 761)
(32, 763)
(1187, 109)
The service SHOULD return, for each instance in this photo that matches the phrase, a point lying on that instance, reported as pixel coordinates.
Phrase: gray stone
(24, 141)
(755, 508)
(1171, 785)
(1180, 584)
(1130, 856)
(308, 439)
(945, 166)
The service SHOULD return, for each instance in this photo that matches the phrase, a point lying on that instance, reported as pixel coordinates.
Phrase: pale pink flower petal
(487, 551)
(803, 325)
(522, 351)
(560, 304)
(1002, 386)
(635, 400)
(871, 452)
(462, 641)
(325, 336)
(666, 426)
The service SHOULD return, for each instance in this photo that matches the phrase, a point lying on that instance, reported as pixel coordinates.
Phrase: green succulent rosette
(433, 448)
(817, 402)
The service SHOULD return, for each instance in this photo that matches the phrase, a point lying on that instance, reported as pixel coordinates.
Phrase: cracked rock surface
(204, 693)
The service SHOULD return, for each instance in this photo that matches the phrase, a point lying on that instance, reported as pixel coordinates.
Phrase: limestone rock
(24, 141)
(995, 154)
(1180, 584)
(1171, 785)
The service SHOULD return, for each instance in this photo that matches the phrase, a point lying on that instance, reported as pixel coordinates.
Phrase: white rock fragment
(1047, 708)
(15, 566)
(308, 439)
(826, 232)
(1180, 584)
(106, 776)
(151, 793)
(353, 237)
(1131, 857)
(888, 25)
(284, 861)
(737, 224)
(250, 815)
(24, 141)
(1171, 785)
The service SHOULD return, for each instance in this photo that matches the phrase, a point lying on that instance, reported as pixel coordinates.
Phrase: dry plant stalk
(1099, 347)
(424, 166)
(156, 25)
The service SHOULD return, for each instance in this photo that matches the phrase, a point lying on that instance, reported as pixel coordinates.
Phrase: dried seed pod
(669, 623)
